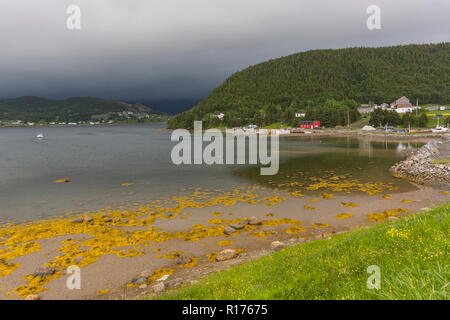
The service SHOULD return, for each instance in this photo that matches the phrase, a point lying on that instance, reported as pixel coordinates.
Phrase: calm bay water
(100, 159)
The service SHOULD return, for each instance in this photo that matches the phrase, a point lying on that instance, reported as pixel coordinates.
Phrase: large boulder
(227, 254)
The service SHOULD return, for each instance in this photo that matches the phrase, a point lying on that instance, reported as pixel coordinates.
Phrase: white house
(300, 114)
(219, 116)
(404, 109)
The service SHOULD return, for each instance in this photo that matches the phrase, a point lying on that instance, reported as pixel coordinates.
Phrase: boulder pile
(419, 167)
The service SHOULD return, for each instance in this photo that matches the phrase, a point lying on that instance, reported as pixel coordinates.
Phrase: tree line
(266, 91)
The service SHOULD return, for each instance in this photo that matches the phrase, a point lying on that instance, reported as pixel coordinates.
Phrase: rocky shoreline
(427, 165)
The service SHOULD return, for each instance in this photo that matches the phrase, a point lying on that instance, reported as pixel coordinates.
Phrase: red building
(309, 124)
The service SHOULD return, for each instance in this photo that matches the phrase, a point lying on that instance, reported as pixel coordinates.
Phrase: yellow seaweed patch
(216, 221)
(406, 201)
(308, 207)
(273, 200)
(101, 292)
(159, 273)
(297, 194)
(312, 200)
(295, 229)
(216, 214)
(320, 225)
(348, 204)
(13, 252)
(444, 192)
(65, 180)
(327, 196)
(173, 255)
(212, 256)
(343, 216)
(127, 184)
(193, 263)
(386, 196)
(261, 234)
(225, 243)
(383, 216)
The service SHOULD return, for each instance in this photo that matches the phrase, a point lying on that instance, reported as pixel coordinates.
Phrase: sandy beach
(119, 244)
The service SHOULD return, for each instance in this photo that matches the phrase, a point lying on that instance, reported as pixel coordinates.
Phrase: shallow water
(99, 160)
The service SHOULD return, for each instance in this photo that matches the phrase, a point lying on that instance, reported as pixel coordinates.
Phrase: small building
(433, 108)
(219, 116)
(384, 106)
(309, 124)
(300, 114)
(404, 109)
(402, 102)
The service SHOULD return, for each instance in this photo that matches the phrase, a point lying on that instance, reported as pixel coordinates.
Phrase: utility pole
(417, 105)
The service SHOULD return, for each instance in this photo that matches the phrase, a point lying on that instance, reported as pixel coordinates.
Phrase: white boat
(439, 129)
(40, 136)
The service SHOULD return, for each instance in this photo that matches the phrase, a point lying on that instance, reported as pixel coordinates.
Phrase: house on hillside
(403, 105)
(402, 102)
(219, 116)
(300, 114)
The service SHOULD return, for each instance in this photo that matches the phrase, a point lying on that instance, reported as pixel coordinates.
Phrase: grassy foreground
(412, 254)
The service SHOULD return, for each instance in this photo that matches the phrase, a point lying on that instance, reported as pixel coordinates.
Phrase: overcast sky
(164, 49)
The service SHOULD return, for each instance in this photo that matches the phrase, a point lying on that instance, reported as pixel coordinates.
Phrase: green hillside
(272, 90)
(37, 109)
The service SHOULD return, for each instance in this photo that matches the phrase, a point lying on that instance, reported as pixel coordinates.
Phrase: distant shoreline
(82, 125)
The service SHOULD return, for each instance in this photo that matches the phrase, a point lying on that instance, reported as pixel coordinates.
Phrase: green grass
(441, 161)
(276, 125)
(411, 253)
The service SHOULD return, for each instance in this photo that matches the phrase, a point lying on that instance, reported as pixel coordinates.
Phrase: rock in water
(44, 271)
(228, 230)
(88, 219)
(159, 287)
(32, 297)
(139, 280)
(184, 260)
(254, 221)
(146, 273)
(277, 245)
(77, 260)
(238, 226)
(226, 254)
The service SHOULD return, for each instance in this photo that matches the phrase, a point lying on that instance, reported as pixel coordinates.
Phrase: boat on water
(439, 129)
(40, 136)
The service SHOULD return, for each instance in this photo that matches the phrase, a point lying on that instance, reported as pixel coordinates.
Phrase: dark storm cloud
(136, 49)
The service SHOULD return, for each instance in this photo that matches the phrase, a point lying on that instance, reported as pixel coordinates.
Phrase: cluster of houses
(401, 105)
(108, 118)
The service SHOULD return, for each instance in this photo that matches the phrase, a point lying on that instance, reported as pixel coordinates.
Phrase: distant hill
(36, 109)
(310, 79)
(169, 106)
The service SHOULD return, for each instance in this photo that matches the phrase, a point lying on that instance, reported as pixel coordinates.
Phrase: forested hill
(72, 109)
(311, 78)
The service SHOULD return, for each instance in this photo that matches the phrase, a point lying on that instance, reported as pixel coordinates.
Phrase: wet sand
(109, 277)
